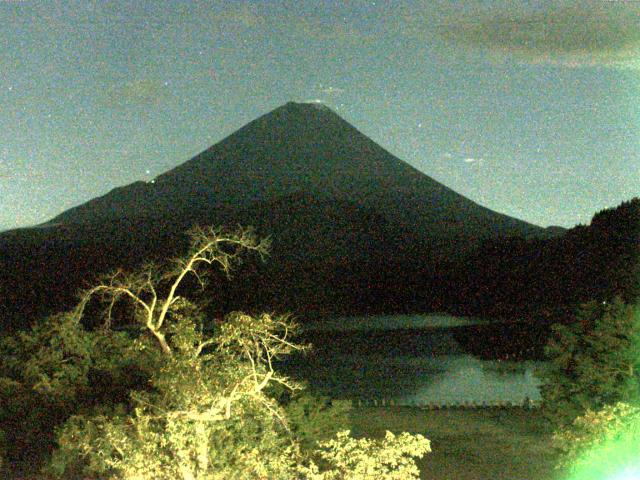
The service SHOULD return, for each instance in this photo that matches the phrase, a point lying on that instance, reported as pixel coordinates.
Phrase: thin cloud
(604, 34)
(339, 32)
(331, 90)
(141, 92)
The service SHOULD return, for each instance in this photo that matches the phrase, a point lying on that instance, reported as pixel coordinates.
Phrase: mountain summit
(352, 225)
(301, 148)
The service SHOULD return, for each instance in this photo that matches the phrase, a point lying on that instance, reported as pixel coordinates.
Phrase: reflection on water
(390, 322)
(419, 380)
(411, 360)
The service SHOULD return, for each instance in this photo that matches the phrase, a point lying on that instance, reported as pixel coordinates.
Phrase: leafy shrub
(58, 369)
(316, 418)
(346, 458)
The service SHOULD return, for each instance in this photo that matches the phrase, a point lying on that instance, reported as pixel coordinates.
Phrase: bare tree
(208, 247)
(253, 341)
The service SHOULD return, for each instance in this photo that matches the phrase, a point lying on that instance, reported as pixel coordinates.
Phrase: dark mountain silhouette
(302, 148)
(354, 228)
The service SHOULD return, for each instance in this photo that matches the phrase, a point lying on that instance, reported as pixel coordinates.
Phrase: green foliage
(346, 458)
(594, 361)
(64, 356)
(601, 444)
(207, 414)
(316, 418)
(56, 369)
(3, 447)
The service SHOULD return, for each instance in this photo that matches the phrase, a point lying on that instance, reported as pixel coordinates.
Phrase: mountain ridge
(296, 147)
(354, 228)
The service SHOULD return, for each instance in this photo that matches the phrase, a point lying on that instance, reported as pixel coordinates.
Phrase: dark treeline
(549, 278)
(541, 282)
(508, 279)
(535, 282)
(526, 284)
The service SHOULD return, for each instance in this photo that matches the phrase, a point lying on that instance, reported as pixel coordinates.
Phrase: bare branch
(206, 248)
(202, 345)
(209, 246)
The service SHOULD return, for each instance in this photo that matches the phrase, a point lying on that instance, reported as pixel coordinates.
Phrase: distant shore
(391, 322)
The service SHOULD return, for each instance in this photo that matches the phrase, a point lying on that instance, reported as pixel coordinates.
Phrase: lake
(409, 360)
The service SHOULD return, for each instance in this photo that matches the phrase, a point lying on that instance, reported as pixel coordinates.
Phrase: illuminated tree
(208, 408)
(346, 458)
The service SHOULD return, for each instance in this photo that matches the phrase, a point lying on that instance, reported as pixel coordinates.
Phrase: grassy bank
(467, 444)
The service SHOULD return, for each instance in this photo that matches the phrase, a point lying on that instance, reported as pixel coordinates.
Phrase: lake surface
(410, 366)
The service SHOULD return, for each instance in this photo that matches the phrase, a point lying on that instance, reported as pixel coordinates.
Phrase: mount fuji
(354, 228)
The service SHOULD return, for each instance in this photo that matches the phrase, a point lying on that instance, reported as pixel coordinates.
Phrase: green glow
(631, 473)
(616, 458)
(611, 437)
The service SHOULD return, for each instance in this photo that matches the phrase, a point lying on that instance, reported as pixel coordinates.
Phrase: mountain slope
(302, 148)
(354, 228)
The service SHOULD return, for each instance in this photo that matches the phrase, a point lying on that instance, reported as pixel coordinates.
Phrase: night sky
(531, 110)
